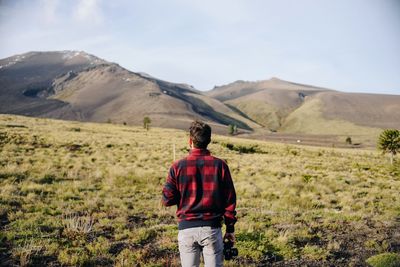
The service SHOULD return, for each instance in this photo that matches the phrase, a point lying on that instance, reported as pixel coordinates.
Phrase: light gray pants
(193, 241)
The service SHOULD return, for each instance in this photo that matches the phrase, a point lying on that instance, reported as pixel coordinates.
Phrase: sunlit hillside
(75, 194)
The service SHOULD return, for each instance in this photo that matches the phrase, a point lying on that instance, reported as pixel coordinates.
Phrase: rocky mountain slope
(78, 86)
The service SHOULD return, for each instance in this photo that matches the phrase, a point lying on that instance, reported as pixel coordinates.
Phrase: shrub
(348, 140)
(17, 176)
(146, 122)
(232, 129)
(27, 252)
(47, 179)
(126, 258)
(243, 149)
(307, 178)
(254, 244)
(73, 256)
(384, 260)
(76, 226)
(315, 253)
(145, 236)
(100, 247)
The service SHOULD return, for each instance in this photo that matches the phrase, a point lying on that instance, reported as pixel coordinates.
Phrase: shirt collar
(199, 152)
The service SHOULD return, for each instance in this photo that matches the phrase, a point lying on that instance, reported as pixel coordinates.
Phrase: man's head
(200, 134)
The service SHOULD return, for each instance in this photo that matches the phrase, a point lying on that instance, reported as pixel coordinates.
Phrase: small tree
(389, 142)
(231, 129)
(348, 140)
(146, 122)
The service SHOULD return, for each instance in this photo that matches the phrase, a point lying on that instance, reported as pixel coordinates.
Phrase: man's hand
(230, 237)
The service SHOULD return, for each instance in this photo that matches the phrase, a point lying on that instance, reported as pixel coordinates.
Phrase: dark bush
(47, 179)
(251, 149)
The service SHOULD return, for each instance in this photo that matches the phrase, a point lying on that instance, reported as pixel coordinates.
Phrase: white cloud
(89, 11)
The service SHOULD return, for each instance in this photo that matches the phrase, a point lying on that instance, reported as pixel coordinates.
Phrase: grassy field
(89, 194)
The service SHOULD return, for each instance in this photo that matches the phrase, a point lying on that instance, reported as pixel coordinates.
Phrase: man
(201, 186)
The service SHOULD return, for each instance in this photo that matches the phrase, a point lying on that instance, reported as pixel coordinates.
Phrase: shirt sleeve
(170, 193)
(230, 197)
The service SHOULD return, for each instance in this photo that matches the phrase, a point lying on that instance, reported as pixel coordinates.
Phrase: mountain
(25, 79)
(74, 85)
(288, 107)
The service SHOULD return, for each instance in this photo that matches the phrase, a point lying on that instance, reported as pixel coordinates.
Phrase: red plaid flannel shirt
(201, 186)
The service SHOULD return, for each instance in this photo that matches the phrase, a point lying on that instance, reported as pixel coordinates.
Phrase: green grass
(308, 119)
(385, 260)
(92, 197)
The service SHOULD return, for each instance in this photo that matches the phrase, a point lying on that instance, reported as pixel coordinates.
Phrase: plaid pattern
(201, 186)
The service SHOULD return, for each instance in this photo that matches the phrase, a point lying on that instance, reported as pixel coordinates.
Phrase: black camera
(229, 251)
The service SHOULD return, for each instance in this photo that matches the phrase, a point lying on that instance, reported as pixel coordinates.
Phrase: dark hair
(200, 133)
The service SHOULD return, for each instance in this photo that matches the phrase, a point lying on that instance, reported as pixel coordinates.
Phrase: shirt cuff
(230, 228)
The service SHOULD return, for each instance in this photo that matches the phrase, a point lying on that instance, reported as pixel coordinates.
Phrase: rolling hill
(266, 102)
(289, 108)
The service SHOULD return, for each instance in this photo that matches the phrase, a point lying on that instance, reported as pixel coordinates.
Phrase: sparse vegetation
(389, 142)
(92, 197)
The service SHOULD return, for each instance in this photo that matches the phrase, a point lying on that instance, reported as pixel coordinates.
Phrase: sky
(346, 45)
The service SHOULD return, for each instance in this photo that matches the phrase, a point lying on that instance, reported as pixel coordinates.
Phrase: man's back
(204, 188)
(201, 186)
